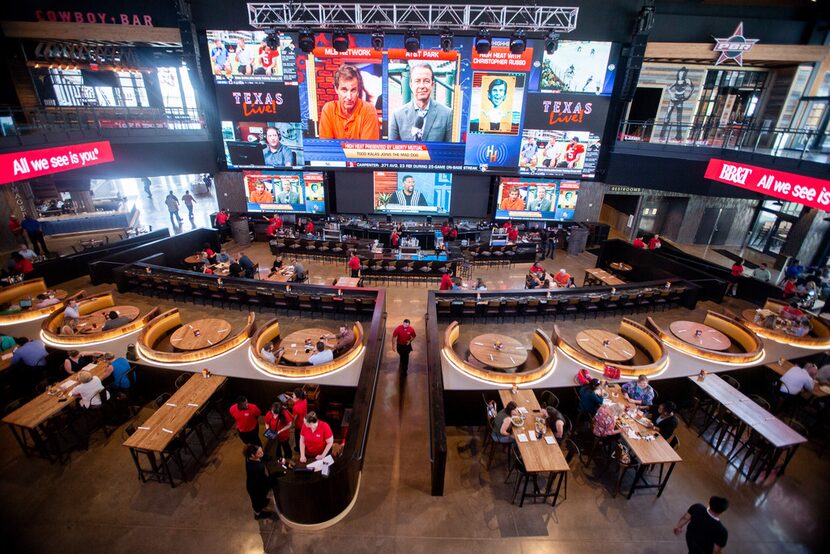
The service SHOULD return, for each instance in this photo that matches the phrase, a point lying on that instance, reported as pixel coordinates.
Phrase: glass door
(811, 121)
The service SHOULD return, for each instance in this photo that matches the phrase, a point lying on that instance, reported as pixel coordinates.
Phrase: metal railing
(100, 121)
(802, 144)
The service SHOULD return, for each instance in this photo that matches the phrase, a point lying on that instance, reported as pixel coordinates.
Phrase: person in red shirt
(299, 412)
(316, 439)
(404, 334)
(446, 282)
(395, 238)
(454, 233)
(562, 278)
(309, 228)
(22, 265)
(247, 420)
(17, 230)
(654, 242)
(507, 225)
(639, 243)
(278, 423)
(574, 152)
(445, 231)
(354, 265)
(735, 276)
(537, 268)
(789, 288)
(222, 224)
(512, 234)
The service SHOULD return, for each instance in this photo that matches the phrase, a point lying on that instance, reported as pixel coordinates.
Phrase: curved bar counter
(638, 335)
(817, 339)
(50, 329)
(352, 358)
(751, 347)
(162, 324)
(542, 344)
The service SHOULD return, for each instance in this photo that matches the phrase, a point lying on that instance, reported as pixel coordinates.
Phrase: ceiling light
(551, 42)
(272, 40)
(306, 41)
(518, 42)
(412, 42)
(340, 41)
(377, 40)
(483, 42)
(446, 41)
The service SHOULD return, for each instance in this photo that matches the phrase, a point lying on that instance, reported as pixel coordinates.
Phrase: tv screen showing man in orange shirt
(514, 200)
(349, 117)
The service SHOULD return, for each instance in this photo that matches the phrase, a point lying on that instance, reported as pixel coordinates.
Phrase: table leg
(665, 480)
(21, 440)
(134, 456)
(790, 454)
(637, 477)
(166, 467)
(561, 475)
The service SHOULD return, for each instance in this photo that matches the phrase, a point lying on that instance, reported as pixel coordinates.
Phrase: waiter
(404, 335)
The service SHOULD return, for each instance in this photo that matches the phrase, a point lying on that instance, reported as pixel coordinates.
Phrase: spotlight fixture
(306, 41)
(551, 42)
(518, 42)
(412, 42)
(272, 40)
(446, 41)
(340, 40)
(483, 42)
(377, 40)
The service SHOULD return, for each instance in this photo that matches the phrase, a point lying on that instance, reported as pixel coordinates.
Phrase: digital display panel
(273, 191)
(408, 192)
(540, 199)
(430, 110)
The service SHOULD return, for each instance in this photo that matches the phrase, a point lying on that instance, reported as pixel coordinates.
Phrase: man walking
(550, 251)
(147, 184)
(705, 533)
(188, 202)
(404, 334)
(35, 233)
(173, 207)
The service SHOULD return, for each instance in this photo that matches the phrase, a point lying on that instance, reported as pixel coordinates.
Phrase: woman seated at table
(605, 423)
(75, 360)
(70, 328)
(801, 329)
(665, 420)
(276, 266)
(89, 390)
(556, 422)
(502, 424)
(589, 398)
(571, 283)
(792, 312)
(532, 281)
(44, 300)
(205, 268)
(639, 392)
(537, 268)
(316, 438)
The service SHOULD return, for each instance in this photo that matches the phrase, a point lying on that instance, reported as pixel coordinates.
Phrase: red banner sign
(35, 163)
(808, 191)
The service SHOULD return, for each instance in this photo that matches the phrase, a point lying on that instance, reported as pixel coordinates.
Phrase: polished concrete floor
(96, 502)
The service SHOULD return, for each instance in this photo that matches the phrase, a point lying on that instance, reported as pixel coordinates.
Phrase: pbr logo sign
(734, 47)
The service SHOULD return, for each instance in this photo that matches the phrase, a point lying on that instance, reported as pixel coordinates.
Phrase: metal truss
(434, 17)
(81, 53)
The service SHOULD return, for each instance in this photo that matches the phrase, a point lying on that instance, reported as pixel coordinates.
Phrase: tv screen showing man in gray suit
(541, 201)
(422, 119)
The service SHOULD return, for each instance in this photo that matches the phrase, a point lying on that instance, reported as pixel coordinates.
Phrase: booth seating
(245, 294)
(52, 325)
(25, 289)
(270, 332)
(650, 359)
(542, 348)
(316, 249)
(746, 347)
(163, 325)
(818, 338)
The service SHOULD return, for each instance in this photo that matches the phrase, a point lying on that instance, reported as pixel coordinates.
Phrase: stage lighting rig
(306, 41)
(446, 41)
(484, 42)
(340, 40)
(377, 40)
(551, 42)
(272, 40)
(412, 42)
(518, 42)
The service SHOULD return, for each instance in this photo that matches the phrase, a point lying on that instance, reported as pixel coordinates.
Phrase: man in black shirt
(705, 534)
(665, 419)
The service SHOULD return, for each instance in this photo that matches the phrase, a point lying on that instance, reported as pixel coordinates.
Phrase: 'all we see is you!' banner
(29, 164)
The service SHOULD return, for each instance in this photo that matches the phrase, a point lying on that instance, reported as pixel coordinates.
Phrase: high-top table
(30, 420)
(782, 438)
(537, 455)
(169, 422)
(649, 451)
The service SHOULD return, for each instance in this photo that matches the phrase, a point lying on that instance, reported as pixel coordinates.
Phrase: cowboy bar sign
(789, 187)
(734, 47)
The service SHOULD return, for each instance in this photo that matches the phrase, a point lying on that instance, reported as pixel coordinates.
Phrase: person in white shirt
(88, 390)
(71, 312)
(27, 253)
(798, 378)
(267, 352)
(322, 355)
(823, 375)
(762, 273)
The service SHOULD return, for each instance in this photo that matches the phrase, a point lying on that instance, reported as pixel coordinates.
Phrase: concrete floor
(96, 501)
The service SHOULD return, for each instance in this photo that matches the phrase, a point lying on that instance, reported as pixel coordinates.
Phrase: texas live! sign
(29, 164)
(790, 187)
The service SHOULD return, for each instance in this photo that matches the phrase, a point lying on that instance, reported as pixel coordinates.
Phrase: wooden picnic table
(347, 282)
(511, 354)
(700, 335)
(595, 275)
(605, 345)
(284, 275)
(201, 333)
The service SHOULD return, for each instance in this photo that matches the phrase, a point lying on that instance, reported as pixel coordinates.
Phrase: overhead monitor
(273, 191)
(410, 192)
(536, 199)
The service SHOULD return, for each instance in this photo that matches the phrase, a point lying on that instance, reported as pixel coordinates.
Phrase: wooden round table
(512, 353)
(605, 345)
(295, 348)
(750, 314)
(620, 266)
(211, 331)
(700, 335)
(94, 322)
(193, 260)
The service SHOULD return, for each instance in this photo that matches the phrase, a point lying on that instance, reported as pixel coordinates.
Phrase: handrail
(775, 141)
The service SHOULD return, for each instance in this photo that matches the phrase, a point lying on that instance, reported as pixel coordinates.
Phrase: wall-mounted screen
(429, 110)
(409, 192)
(272, 191)
(541, 199)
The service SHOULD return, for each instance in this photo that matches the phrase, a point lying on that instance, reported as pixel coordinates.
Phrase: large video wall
(430, 110)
